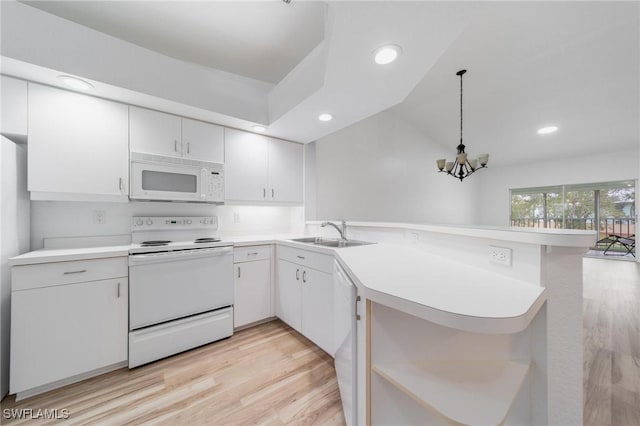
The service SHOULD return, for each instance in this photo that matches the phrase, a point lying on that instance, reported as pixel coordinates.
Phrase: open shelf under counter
(468, 392)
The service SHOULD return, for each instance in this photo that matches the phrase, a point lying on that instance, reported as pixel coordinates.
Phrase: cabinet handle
(118, 290)
(75, 272)
(121, 185)
(175, 145)
(188, 146)
(238, 272)
(356, 308)
(264, 192)
(252, 254)
(300, 257)
(304, 276)
(297, 275)
(272, 192)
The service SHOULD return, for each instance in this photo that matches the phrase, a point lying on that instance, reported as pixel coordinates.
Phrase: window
(607, 207)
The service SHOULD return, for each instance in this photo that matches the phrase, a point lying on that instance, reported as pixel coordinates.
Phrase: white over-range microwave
(160, 178)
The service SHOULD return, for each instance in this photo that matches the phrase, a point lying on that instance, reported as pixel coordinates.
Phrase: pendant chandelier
(461, 167)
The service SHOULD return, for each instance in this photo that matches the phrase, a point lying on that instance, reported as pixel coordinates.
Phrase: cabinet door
(288, 294)
(245, 167)
(202, 141)
(77, 144)
(285, 171)
(317, 308)
(154, 132)
(61, 331)
(252, 300)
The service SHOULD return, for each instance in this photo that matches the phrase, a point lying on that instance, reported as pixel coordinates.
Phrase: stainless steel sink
(319, 241)
(342, 243)
(311, 240)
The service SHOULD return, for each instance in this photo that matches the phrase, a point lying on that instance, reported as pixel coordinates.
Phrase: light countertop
(68, 254)
(441, 290)
(539, 236)
(437, 289)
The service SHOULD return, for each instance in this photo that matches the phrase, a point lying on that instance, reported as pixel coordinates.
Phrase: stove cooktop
(154, 243)
(207, 240)
(166, 245)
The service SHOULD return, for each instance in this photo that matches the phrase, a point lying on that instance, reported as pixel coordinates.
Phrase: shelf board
(468, 392)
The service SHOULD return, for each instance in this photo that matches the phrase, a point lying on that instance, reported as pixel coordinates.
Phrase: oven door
(170, 285)
(167, 182)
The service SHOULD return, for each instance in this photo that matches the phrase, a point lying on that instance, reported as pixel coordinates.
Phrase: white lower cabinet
(305, 295)
(252, 285)
(66, 330)
(317, 308)
(289, 294)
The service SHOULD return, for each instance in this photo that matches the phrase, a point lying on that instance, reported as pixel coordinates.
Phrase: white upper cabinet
(246, 166)
(154, 132)
(285, 171)
(202, 141)
(78, 147)
(260, 168)
(14, 107)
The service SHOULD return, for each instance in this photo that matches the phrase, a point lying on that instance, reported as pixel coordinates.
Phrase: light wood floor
(611, 324)
(268, 374)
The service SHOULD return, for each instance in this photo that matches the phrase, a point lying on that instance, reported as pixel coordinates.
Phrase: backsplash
(51, 219)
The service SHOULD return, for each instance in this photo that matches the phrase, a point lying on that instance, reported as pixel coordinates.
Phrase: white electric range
(180, 286)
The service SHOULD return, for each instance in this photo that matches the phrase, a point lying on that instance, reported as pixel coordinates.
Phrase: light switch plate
(500, 255)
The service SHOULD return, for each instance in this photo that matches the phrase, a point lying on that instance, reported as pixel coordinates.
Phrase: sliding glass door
(605, 207)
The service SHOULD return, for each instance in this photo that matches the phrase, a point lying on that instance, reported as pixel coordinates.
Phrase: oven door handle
(171, 256)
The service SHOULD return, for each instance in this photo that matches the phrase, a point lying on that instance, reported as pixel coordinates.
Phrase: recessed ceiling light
(325, 117)
(76, 83)
(547, 130)
(386, 54)
(259, 128)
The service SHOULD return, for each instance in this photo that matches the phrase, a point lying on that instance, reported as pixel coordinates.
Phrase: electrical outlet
(236, 217)
(99, 217)
(500, 255)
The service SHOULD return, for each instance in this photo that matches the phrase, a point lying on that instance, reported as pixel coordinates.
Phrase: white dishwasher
(345, 342)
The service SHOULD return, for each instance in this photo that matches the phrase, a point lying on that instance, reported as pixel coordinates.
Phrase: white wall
(51, 219)
(384, 169)
(496, 181)
(14, 236)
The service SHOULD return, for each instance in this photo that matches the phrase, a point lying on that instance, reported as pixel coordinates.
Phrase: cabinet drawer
(247, 254)
(321, 262)
(58, 273)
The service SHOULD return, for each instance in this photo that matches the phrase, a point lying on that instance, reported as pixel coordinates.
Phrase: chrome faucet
(342, 229)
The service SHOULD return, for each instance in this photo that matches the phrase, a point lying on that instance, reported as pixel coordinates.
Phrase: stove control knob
(139, 222)
(149, 222)
(188, 221)
(205, 221)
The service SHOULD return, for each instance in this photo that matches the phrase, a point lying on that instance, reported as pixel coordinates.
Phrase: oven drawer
(69, 272)
(162, 340)
(248, 254)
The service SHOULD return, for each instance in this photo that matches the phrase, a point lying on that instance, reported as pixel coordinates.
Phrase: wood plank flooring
(611, 321)
(268, 374)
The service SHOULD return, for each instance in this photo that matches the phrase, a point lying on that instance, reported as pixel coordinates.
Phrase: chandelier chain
(461, 108)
